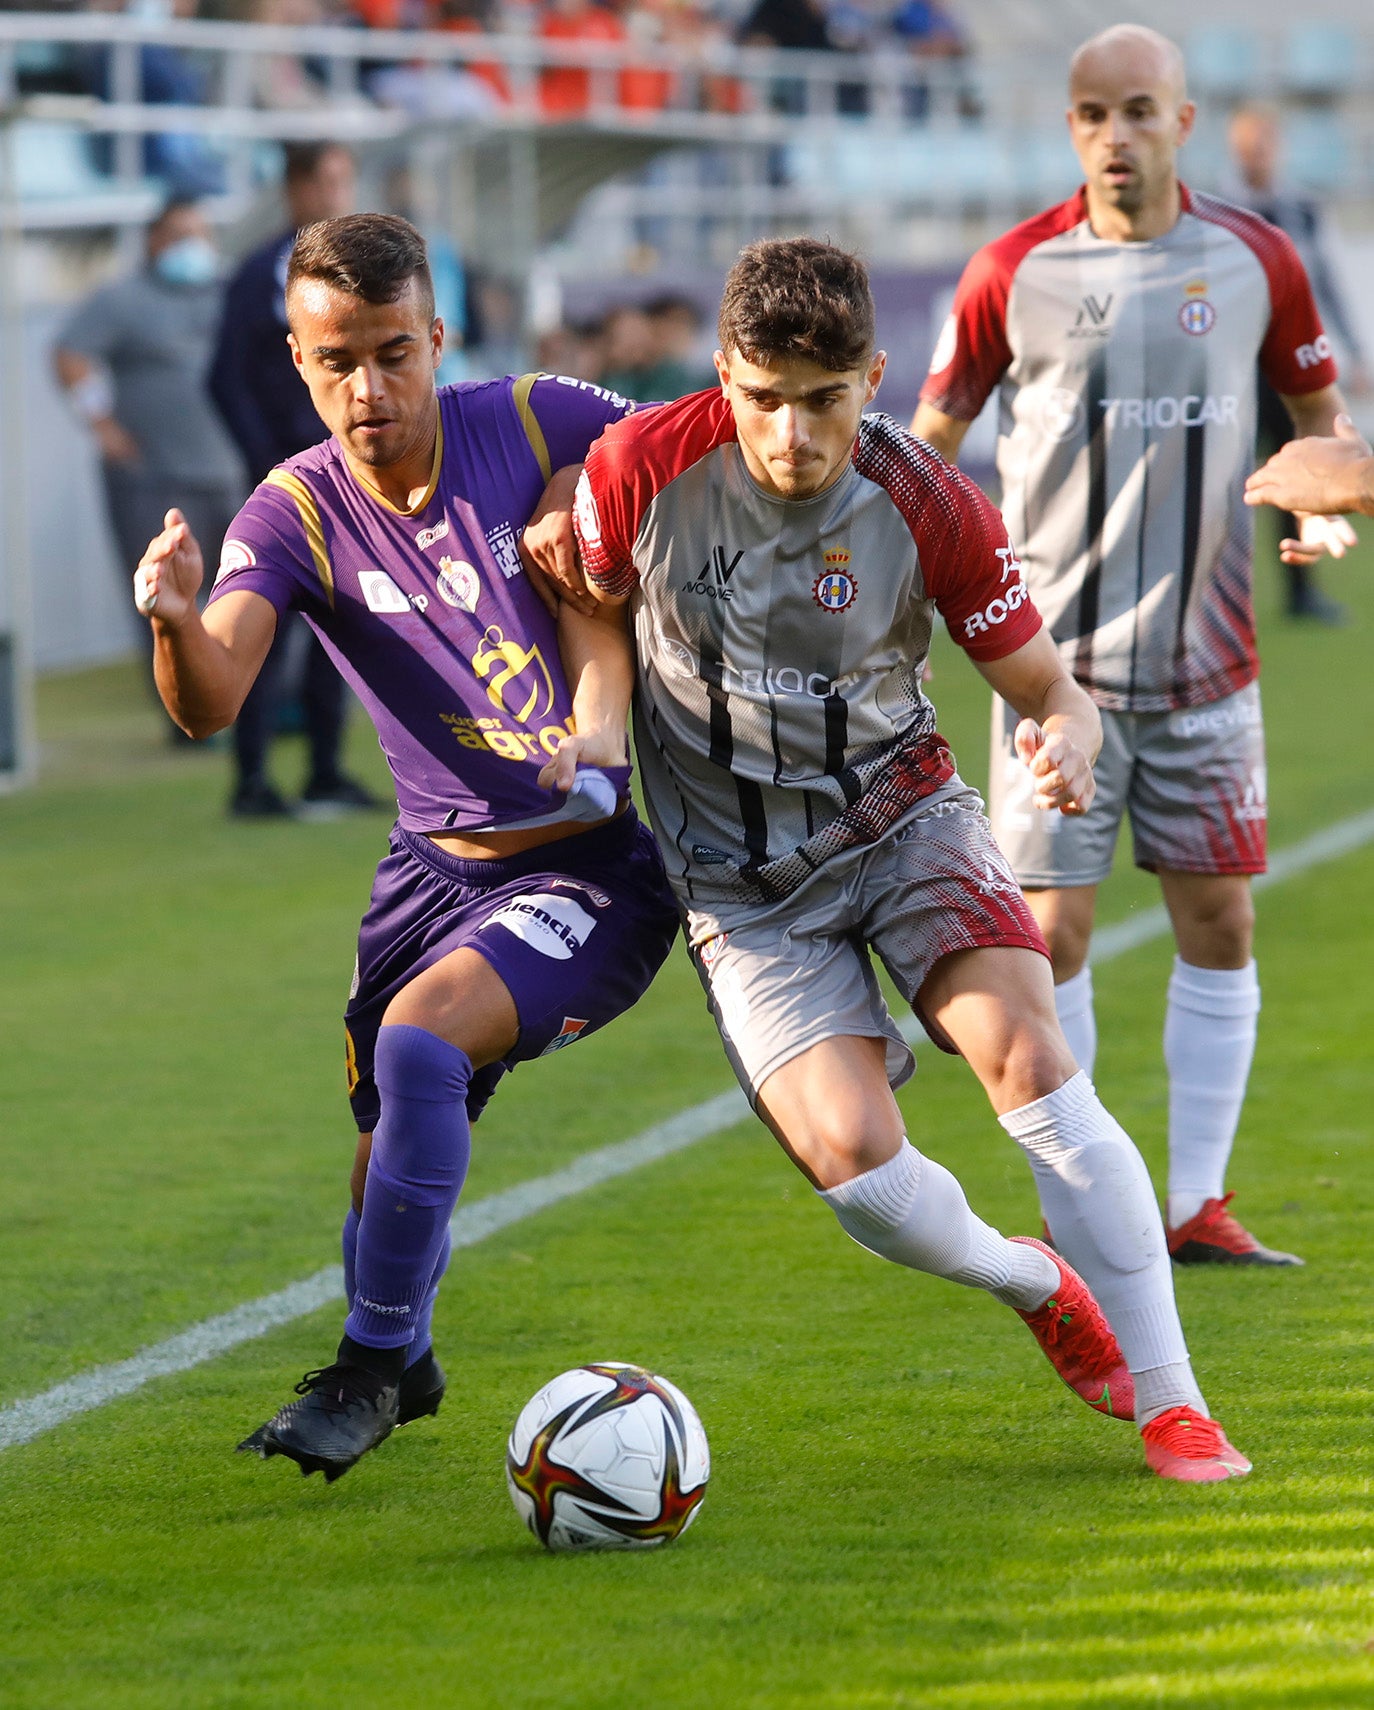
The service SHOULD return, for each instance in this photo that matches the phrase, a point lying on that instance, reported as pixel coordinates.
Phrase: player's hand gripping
(576, 770)
(170, 573)
(549, 546)
(1062, 772)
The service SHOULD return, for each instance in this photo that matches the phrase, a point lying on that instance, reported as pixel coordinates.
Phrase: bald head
(1129, 114)
(1133, 53)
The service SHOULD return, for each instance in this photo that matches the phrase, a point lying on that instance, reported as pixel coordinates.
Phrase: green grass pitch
(906, 1508)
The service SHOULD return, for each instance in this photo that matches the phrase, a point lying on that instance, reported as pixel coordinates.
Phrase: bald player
(1122, 329)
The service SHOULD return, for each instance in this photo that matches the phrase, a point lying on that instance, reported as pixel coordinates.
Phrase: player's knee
(1034, 1062)
(835, 1150)
(1220, 930)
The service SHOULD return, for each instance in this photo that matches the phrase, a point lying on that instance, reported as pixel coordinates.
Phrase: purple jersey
(428, 613)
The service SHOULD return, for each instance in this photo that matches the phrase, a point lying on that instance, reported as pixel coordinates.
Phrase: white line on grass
(22, 1421)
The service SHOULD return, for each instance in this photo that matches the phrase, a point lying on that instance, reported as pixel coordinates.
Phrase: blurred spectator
(133, 360)
(268, 409)
(286, 81)
(929, 32)
(565, 91)
(799, 24)
(577, 349)
(474, 18)
(1256, 145)
(630, 349)
(677, 365)
(187, 163)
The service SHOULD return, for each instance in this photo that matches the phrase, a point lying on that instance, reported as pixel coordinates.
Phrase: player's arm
(549, 548)
(569, 419)
(945, 433)
(204, 665)
(1060, 731)
(1318, 474)
(598, 657)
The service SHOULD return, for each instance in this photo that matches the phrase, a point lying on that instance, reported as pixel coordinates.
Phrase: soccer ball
(607, 1457)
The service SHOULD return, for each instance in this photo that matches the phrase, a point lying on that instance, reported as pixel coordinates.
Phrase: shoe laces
(1217, 1220)
(1185, 1432)
(341, 1388)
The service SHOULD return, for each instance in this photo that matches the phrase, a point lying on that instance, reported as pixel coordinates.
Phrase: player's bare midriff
(496, 845)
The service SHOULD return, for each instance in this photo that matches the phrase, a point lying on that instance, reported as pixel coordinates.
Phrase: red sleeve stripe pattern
(968, 565)
(1296, 354)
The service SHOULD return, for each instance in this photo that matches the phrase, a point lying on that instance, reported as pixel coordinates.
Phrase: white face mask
(189, 261)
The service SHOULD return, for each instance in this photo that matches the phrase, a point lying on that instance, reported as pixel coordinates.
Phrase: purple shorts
(576, 929)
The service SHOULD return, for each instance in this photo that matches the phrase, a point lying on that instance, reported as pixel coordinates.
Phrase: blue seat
(1223, 62)
(53, 162)
(1317, 151)
(1320, 60)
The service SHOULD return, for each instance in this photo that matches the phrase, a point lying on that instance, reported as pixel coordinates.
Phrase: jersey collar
(415, 509)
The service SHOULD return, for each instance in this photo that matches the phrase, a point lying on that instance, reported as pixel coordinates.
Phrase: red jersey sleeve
(632, 462)
(1295, 356)
(968, 565)
(972, 353)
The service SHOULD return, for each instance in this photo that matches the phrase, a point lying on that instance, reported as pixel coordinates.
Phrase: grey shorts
(1192, 781)
(782, 978)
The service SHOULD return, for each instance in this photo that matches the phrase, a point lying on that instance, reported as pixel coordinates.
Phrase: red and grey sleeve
(968, 565)
(1296, 354)
(606, 521)
(972, 353)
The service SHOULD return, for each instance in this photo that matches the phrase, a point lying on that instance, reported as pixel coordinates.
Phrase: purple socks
(396, 1252)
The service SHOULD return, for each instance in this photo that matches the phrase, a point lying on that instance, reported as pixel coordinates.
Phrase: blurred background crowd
(584, 171)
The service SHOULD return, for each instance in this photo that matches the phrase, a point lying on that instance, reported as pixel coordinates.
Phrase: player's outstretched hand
(1315, 475)
(549, 547)
(170, 573)
(1317, 535)
(1062, 772)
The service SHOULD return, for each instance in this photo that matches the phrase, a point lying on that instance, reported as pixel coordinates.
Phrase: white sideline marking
(21, 1421)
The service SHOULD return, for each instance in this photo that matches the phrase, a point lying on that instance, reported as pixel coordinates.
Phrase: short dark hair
(798, 297)
(302, 159)
(372, 256)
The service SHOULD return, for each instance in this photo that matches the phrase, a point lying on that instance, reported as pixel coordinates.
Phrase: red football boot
(1078, 1341)
(1213, 1237)
(1181, 1444)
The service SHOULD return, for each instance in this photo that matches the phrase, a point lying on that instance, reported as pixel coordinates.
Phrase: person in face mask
(133, 359)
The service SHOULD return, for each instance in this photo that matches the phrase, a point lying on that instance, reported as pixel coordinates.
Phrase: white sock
(1101, 1208)
(912, 1210)
(1073, 1003)
(1209, 1041)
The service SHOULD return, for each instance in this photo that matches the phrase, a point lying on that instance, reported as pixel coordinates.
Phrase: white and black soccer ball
(607, 1457)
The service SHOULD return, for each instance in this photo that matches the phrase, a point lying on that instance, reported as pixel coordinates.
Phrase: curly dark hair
(789, 297)
(372, 256)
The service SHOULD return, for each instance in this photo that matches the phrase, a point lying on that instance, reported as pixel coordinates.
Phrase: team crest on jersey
(458, 584)
(1197, 316)
(834, 589)
(567, 1033)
